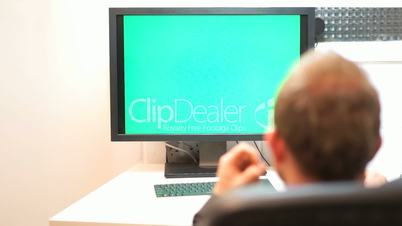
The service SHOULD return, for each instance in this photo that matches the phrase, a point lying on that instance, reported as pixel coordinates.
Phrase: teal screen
(205, 74)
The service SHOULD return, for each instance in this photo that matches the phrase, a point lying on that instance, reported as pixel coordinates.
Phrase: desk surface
(129, 199)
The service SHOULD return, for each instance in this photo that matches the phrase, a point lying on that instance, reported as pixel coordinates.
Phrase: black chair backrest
(342, 204)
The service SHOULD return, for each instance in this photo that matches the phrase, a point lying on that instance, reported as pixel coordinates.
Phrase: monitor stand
(198, 159)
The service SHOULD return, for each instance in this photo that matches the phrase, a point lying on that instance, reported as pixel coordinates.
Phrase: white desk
(129, 199)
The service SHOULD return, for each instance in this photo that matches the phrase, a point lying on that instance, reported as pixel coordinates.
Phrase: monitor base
(185, 170)
(203, 162)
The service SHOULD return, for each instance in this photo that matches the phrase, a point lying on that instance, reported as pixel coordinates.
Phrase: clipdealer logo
(263, 108)
(182, 110)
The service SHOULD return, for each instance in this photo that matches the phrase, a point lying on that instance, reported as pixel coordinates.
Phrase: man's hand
(238, 167)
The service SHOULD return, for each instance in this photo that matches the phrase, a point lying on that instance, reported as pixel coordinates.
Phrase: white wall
(54, 90)
(387, 78)
(54, 130)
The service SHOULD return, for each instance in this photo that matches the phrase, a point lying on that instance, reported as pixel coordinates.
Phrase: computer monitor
(201, 74)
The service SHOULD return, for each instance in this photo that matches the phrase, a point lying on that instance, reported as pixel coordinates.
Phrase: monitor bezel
(117, 85)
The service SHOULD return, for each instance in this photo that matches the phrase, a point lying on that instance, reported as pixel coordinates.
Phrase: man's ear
(277, 145)
(267, 138)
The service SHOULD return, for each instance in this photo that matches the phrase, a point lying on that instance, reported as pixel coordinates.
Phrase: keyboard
(184, 189)
(189, 189)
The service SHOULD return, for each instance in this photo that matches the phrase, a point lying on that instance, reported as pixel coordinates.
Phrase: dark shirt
(239, 198)
(251, 191)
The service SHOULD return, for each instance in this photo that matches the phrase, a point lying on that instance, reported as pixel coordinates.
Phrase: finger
(247, 159)
(263, 167)
(251, 174)
(237, 160)
(243, 153)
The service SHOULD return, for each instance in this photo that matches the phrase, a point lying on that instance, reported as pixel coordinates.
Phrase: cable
(259, 151)
(182, 150)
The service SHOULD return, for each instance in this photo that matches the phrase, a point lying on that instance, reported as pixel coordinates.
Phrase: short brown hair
(328, 114)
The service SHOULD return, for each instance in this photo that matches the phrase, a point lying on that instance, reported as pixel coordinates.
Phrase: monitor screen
(202, 75)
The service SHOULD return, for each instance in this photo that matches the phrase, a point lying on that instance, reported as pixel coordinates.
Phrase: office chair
(340, 204)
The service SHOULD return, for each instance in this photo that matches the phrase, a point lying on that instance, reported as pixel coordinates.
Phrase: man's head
(327, 120)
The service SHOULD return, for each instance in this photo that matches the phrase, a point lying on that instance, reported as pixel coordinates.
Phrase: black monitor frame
(117, 63)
